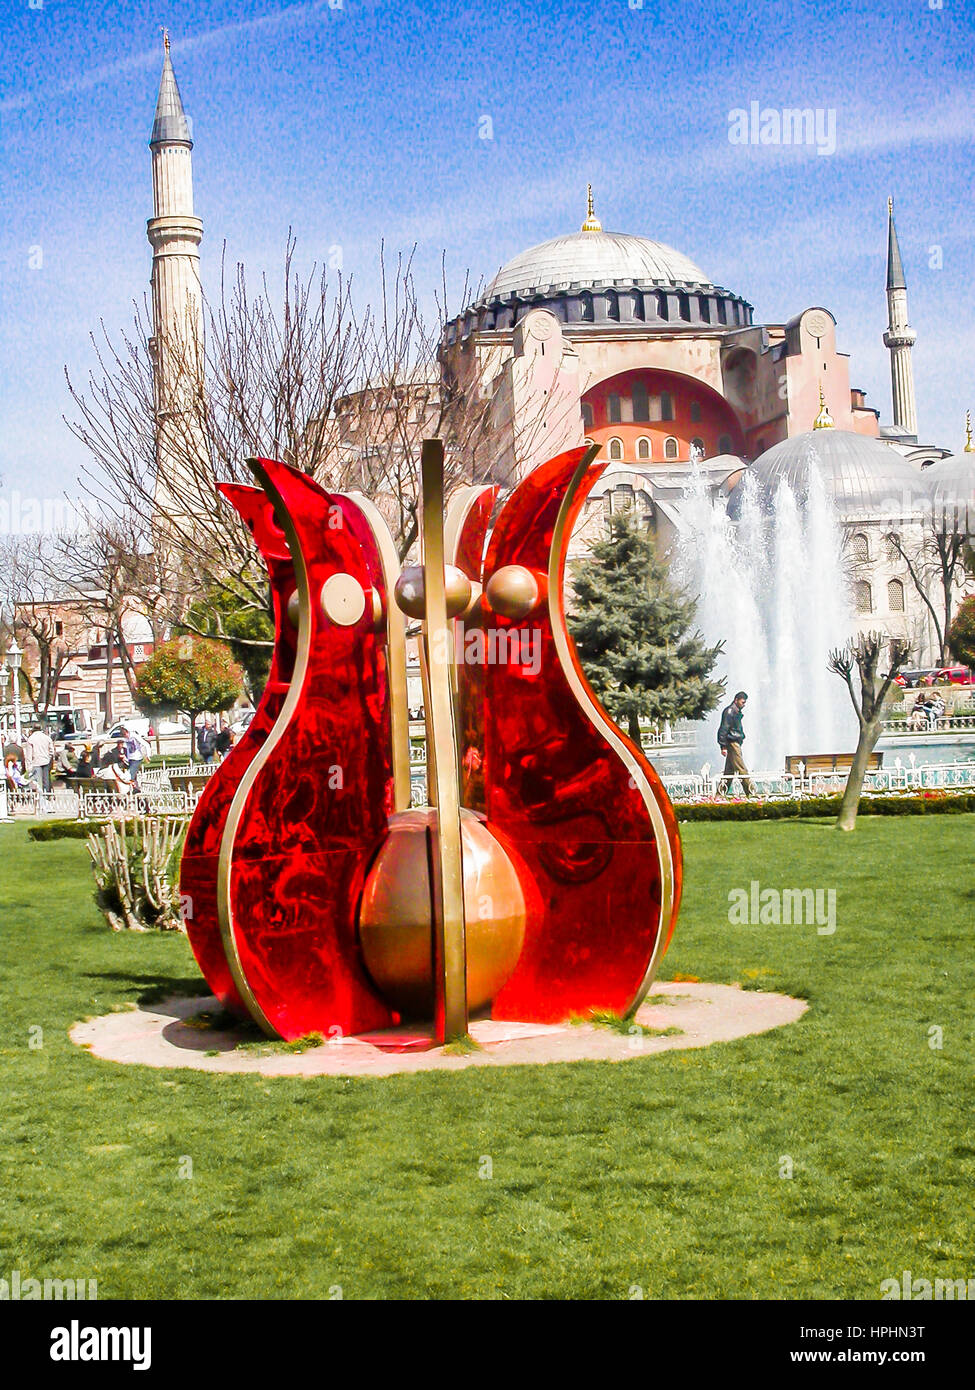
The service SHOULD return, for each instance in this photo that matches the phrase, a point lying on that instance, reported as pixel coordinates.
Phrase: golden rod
(446, 862)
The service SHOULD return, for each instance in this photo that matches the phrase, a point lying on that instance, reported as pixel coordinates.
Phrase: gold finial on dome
(823, 421)
(592, 222)
(969, 446)
(890, 204)
(166, 40)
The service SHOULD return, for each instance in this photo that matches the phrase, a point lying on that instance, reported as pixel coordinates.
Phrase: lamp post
(14, 657)
(4, 682)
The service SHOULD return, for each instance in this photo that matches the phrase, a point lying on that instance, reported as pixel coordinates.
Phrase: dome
(950, 485)
(864, 477)
(587, 258)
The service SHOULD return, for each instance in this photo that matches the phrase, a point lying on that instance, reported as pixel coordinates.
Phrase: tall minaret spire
(900, 337)
(174, 233)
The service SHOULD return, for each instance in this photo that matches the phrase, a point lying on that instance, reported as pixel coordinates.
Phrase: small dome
(951, 488)
(864, 477)
(583, 258)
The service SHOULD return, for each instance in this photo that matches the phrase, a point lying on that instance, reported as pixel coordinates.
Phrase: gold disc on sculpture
(395, 924)
(343, 599)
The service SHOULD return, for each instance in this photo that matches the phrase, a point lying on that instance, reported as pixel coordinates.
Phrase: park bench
(829, 762)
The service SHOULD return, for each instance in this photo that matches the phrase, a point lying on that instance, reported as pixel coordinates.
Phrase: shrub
(136, 872)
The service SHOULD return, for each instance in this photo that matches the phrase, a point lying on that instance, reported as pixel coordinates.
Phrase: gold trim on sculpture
(225, 861)
(446, 862)
(396, 652)
(597, 716)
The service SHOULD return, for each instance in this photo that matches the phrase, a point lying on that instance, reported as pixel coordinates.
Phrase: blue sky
(358, 121)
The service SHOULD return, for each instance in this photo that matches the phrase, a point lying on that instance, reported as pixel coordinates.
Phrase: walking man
(731, 736)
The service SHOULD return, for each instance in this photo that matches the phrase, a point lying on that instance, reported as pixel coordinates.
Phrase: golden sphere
(411, 596)
(513, 591)
(395, 920)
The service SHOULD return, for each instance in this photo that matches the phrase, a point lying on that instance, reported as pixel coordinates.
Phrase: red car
(953, 675)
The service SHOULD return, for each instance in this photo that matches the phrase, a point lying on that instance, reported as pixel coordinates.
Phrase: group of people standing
(37, 760)
(212, 742)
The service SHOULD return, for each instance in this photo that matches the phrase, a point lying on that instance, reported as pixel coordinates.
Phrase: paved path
(165, 1036)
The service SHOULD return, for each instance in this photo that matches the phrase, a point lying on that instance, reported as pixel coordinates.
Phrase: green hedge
(63, 829)
(72, 829)
(932, 803)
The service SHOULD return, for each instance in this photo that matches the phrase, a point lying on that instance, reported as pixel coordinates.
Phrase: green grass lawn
(661, 1172)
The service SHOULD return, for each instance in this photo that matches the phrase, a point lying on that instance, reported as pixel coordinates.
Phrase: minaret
(900, 336)
(174, 234)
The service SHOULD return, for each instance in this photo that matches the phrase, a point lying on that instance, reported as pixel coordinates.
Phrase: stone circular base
(172, 1034)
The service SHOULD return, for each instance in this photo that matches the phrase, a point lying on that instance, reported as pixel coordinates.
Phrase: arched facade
(659, 416)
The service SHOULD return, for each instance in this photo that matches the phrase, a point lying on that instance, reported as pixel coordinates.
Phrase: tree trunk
(633, 729)
(109, 673)
(869, 733)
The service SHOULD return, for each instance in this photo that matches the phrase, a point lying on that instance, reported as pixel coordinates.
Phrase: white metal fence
(792, 786)
(157, 799)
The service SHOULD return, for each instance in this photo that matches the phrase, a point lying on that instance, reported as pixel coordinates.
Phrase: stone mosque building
(623, 341)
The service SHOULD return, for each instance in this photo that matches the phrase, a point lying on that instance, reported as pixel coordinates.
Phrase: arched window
(613, 306)
(585, 307)
(637, 302)
(860, 548)
(616, 449)
(643, 449)
(695, 412)
(684, 306)
(705, 304)
(666, 406)
(862, 596)
(671, 448)
(895, 596)
(892, 542)
(722, 311)
(641, 401)
(614, 409)
(724, 444)
(586, 416)
(697, 444)
(663, 307)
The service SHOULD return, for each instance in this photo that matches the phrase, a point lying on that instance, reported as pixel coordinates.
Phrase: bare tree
(868, 703)
(937, 564)
(47, 625)
(346, 397)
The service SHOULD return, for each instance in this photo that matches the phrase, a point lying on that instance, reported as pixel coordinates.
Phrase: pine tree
(632, 629)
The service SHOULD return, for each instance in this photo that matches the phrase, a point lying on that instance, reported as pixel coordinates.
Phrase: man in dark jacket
(731, 736)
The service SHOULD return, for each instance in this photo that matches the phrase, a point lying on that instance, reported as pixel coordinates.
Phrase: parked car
(135, 723)
(241, 725)
(909, 680)
(953, 675)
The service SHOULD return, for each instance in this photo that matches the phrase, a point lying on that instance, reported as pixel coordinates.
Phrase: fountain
(770, 584)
